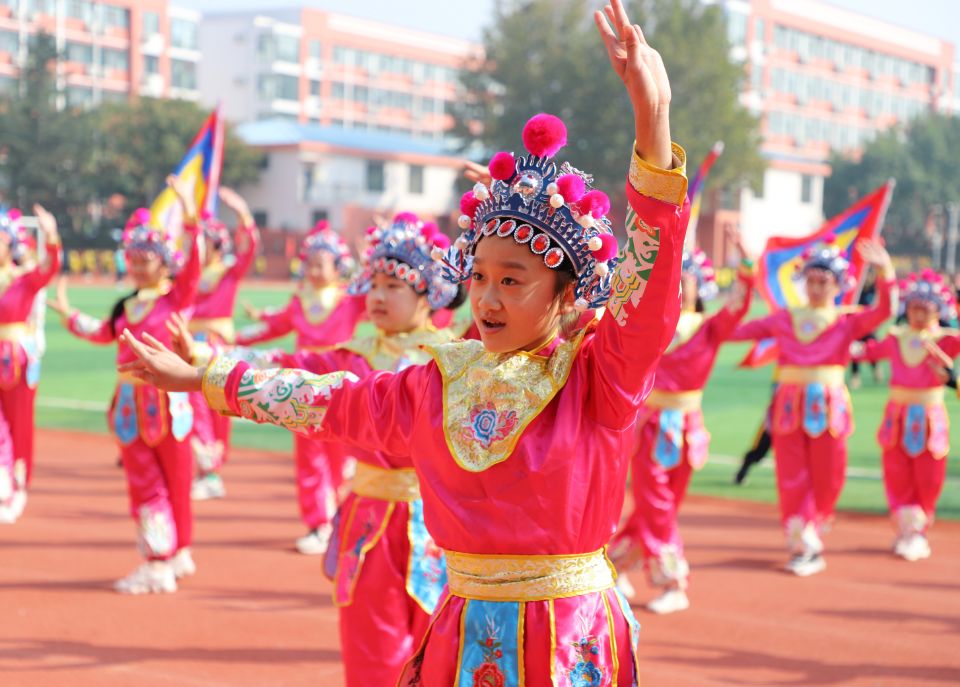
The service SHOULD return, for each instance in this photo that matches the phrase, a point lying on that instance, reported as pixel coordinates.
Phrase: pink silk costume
(522, 462)
(321, 319)
(150, 424)
(673, 441)
(915, 431)
(213, 322)
(19, 368)
(812, 414)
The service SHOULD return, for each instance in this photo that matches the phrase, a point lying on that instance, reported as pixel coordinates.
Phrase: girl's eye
(476, 276)
(508, 281)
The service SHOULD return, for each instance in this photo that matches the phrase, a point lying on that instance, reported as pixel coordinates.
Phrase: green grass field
(78, 380)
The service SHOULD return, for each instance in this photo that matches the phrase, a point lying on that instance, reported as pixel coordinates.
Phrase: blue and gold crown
(403, 250)
(324, 239)
(696, 263)
(13, 232)
(828, 256)
(142, 237)
(550, 208)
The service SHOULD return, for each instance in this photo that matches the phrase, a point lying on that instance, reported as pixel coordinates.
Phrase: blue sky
(466, 18)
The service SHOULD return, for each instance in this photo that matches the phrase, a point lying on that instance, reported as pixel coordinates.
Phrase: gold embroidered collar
(318, 303)
(911, 342)
(809, 323)
(398, 351)
(139, 306)
(212, 274)
(489, 399)
(688, 325)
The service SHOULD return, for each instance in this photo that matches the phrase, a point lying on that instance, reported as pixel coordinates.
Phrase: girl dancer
(323, 315)
(213, 321)
(150, 424)
(519, 441)
(915, 432)
(19, 357)
(812, 414)
(673, 441)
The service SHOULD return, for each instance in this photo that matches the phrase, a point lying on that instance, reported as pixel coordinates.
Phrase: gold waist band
(127, 378)
(675, 400)
(527, 578)
(14, 331)
(920, 397)
(386, 484)
(828, 375)
(316, 349)
(222, 326)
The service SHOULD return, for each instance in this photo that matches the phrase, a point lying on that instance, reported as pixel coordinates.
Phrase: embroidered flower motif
(586, 673)
(488, 673)
(487, 426)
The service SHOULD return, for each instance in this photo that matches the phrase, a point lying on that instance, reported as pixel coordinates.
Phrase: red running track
(259, 614)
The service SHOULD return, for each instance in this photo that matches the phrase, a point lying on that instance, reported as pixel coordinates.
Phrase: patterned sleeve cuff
(214, 384)
(201, 353)
(668, 185)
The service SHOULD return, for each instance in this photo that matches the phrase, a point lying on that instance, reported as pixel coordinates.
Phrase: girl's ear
(567, 300)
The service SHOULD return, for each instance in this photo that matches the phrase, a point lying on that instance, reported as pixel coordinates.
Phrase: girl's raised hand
(159, 366)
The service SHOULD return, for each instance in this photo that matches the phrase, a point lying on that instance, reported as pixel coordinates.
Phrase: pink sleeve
(950, 345)
(90, 328)
(272, 325)
(250, 238)
(874, 350)
(760, 328)
(378, 413)
(184, 291)
(41, 275)
(866, 321)
(723, 322)
(642, 313)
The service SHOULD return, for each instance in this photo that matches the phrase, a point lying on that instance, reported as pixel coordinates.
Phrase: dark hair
(459, 299)
(565, 279)
(117, 310)
(699, 305)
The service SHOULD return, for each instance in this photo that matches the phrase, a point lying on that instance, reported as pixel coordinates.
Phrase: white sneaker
(210, 486)
(806, 564)
(315, 542)
(626, 588)
(153, 577)
(11, 511)
(671, 601)
(182, 563)
(913, 548)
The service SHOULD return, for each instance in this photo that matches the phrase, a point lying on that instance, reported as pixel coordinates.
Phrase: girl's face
(513, 297)
(4, 252)
(320, 269)
(146, 271)
(688, 288)
(822, 287)
(394, 307)
(211, 253)
(921, 314)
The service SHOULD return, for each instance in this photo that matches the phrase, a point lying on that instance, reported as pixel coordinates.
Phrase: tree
(545, 56)
(921, 157)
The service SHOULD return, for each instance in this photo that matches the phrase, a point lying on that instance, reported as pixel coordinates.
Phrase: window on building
(114, 17)
(79, 97)
(183, 74)
(361, 94)
(35, 7)
(80, 9)
(806, 189)
(287, 48)
(260, 218)
(336, 90)
(416, 179)
(118, 60)
(80, 53)
(9, 42)
(288, 87)
(376, 180)
(151, 64)
(183, 34)
(316, 50)
(151, 23)
(315, 88)
(759, 30)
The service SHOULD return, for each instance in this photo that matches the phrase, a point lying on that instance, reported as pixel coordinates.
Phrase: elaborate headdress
(828, 256)
(551, 209)
(13, 233)
(697, 264)
(929, 287)
(324, 239)
(403, 250)
(216, 231)
(140, 237)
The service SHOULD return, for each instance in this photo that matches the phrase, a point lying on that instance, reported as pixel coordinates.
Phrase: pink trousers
(911, 484)
(16, 412)
(319, 475)
(210, 437)
(810, 475)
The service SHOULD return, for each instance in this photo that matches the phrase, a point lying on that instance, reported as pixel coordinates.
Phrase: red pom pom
(14, 214)
(502, 166)
(595, 203)
(370, 230)
(321, 225)
(428, 230)
(609, 248)
(544, 135)
(140, 216)
(927, 274)
(571, 187)
(441, 240)
(469, 204)
(405, 218)
(829, 238)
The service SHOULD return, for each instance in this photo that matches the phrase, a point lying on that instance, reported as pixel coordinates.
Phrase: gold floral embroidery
(668, 185)
(398, 351)
(489, 399)
(317, 305)
(215, 382)
(211, 276)
(688, 325)
(139, 306)
(911, 342)
(809, 323)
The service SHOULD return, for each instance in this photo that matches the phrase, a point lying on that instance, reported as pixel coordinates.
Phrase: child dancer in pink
(915, 432)
(673, 441)
(323, 315)
(812, 414)
(151, 425)
(213, 321)
(19, 359)
(519, 440)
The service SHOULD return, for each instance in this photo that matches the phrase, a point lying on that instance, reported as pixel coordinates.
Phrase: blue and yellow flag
(782, 261)
(200, 168)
